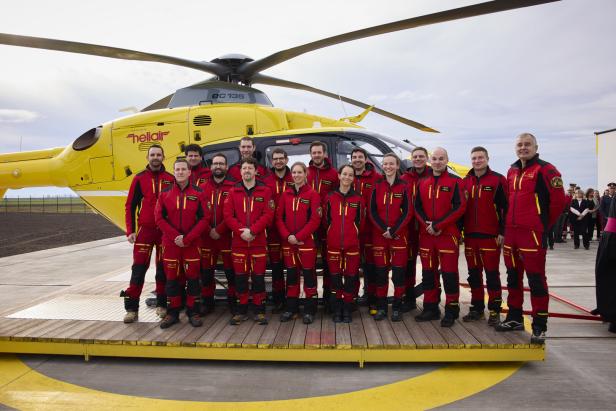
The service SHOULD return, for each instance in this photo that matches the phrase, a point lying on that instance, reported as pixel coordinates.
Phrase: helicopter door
(209, 123)
(375, 150)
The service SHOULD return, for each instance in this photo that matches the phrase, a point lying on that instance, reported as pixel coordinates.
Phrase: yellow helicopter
(215, 113)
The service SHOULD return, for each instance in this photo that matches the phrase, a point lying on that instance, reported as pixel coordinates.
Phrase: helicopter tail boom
(31, 169)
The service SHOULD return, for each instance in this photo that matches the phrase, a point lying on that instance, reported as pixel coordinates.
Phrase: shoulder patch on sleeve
(556, 182)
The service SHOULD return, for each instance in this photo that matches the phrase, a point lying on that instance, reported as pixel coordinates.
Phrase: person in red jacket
(182, 214)
(344, 216)
(536, 199)
(439, 203)
(390, 211)
(323, 178)
(298, 216)
(247, 149)
(484, 227)
(216, 241)
(419, 170)
(199, 173)
(365, 179)
(248, 211)
(278, 180)
(141, 231)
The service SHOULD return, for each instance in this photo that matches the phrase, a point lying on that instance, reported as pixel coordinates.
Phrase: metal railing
(43, 205)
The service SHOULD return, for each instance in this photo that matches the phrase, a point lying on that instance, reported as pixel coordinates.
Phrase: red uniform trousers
(483, 254)
(344, 271)
(249, 266)
(443, 251)
(147, 239)
(210, 252)
(274, 250)
(390, 253)
(182, 263)
(524, 250)
(300, 258)
(410, 278)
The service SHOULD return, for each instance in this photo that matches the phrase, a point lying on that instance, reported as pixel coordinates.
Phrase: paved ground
(578, 373)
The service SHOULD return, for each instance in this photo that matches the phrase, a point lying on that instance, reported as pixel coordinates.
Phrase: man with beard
(247, 149)
(217, 239)
(142, 232)
(278, 180)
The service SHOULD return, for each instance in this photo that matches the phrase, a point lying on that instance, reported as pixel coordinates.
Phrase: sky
(548, 70)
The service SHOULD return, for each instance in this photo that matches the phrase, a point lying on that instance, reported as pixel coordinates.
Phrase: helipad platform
(86, 320)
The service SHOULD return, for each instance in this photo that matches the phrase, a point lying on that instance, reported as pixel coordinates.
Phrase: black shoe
(510, 325)
(538, 336)
(493, 318)
(347, 316)
(261, 319)
(168, 321)
(448, 320)
(396, 316)
(237, 319)
(473, 316)
(380, 315)
(408, 304)
(428, 315)
(551, 247)
(612, 327)
(586, 247)
(576, 247)
(151, 301)
(595, 311)
(287, 316)
(308, 319)
(195, 320)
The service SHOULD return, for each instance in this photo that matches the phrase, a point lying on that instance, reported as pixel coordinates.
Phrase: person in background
(606, 201)
(605, 267)
(593, 220)
(579, 216)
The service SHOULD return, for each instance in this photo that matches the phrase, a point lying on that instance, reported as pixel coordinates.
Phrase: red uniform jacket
(216, 194)
(182, 212)
(278, 185)
(363, 184)
(536, 195)
(252, 209)
(440, 199)
(199, 174)
(345, 215)
(486, 204)
(299, 213)
(235, 171)
(322, 180)
(142, 196)
(391, 206)
(412, 177)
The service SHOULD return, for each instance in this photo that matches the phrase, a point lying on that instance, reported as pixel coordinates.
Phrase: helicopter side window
(296, 152)
(345, 147)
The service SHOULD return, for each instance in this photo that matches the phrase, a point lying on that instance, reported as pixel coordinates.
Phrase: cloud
(17, 116)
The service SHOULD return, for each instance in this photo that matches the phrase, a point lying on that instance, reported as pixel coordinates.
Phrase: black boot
(408, 302)
(452, 311)
(336, 305)
(207, 305)
(431, 312)
(381, 309)
(396, 310)
(291, 310)
(278, 301)
(310, 310)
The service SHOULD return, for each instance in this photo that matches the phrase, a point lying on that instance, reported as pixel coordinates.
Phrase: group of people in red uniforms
(357, 219)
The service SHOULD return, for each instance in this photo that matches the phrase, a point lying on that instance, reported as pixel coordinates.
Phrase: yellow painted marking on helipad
(24, 388)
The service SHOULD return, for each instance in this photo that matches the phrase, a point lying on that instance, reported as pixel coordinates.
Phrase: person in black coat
(605, 271)
(579, 216)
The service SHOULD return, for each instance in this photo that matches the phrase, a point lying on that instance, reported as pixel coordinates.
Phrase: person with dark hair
(365, 179)
(439, 204)
(484, 227)
(298, 216)
(216, 239)
(596, 218)
(537, 199)
(605, 267)
(182, 214)
(278, 180)
(419, 170)
(579, 216)
(142, 232)
(606, 201)
(390, 211)
(248, 211)
(199, 173)
(323, 179)
(247, 149)
(344, 216)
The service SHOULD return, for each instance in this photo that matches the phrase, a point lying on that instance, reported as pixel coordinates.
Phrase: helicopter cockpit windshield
(217, 93)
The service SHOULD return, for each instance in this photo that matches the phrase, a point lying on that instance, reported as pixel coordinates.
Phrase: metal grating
(202, 121)
(84, 307)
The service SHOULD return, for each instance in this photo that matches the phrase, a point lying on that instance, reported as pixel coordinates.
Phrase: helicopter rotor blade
(250, 68)
(105, 51)
(272, 81)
